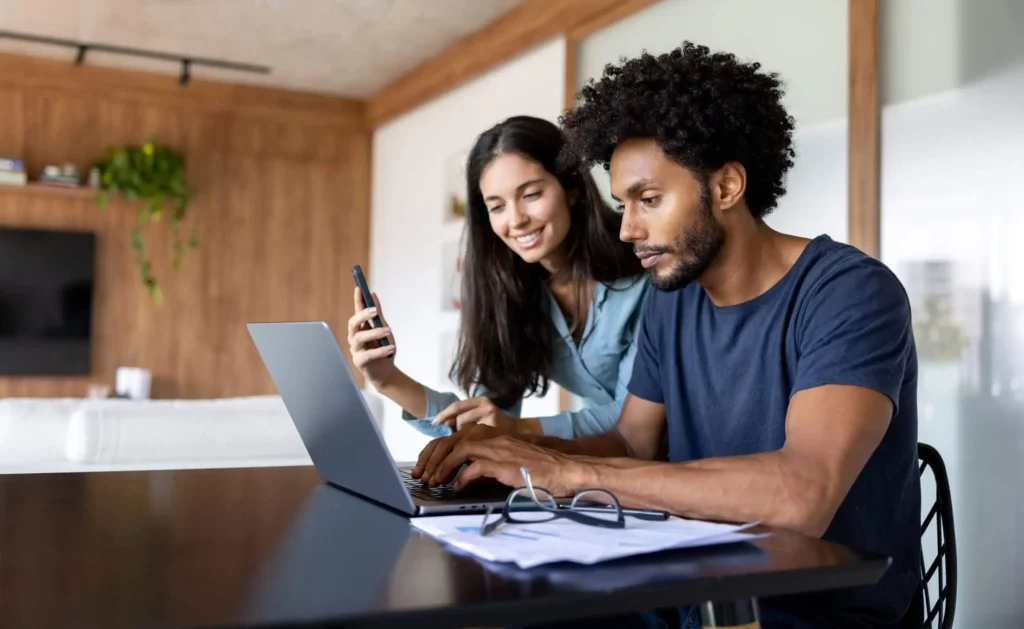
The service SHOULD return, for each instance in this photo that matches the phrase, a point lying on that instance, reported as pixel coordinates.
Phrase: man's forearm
(767, 487)
(609, 444)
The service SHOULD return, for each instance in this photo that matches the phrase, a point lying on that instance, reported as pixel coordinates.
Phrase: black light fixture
(186, 62)
(185, 74)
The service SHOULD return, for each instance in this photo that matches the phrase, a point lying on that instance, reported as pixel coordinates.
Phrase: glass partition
(952, 81)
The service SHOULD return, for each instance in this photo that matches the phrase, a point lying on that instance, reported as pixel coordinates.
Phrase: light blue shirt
(597, 370)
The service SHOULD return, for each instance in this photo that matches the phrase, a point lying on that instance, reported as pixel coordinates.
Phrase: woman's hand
(482, 410)
(376, 363)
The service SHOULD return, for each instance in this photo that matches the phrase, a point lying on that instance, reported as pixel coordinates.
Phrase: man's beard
(698, 245)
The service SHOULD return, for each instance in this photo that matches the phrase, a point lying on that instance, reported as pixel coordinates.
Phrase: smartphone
(364, 288)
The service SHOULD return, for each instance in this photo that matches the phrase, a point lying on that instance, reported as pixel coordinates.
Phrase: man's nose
(631, 230)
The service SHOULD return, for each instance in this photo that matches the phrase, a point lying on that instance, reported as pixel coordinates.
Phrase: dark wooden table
(276, 547)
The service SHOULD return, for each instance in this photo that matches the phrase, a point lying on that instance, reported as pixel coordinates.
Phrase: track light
(186, 75)
(186, 62)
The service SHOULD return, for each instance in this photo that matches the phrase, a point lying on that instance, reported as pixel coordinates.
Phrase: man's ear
(728, 185)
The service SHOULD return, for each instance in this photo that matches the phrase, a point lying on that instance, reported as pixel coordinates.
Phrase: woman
(549, 293)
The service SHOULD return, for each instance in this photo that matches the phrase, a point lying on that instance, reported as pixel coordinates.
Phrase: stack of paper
(529, 545)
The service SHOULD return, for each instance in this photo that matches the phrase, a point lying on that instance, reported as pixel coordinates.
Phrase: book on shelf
(12, 172)
(63, 181)
(12, 164)
(13, 178)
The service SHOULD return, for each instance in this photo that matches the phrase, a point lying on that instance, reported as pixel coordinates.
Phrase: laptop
(336, 426)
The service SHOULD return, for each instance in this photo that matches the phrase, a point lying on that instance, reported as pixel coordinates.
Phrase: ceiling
(347, 48)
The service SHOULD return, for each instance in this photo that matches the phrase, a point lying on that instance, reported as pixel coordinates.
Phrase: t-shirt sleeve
(646, 380)
(856, 330)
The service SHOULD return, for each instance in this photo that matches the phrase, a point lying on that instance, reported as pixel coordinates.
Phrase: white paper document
(535, 544)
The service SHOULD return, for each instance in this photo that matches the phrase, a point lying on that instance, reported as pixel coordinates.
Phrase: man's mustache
(650, 250)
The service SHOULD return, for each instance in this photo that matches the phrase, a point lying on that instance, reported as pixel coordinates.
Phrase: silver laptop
(338, 430)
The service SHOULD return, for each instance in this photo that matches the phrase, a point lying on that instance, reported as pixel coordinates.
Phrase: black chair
(923, 613)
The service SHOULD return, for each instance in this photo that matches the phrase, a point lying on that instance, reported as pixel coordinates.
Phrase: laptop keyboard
(440, 492)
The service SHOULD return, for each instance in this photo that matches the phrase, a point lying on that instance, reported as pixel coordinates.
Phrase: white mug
(133, 382)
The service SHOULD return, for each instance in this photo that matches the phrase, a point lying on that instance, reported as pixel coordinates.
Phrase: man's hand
(501, 457)
(438, 449)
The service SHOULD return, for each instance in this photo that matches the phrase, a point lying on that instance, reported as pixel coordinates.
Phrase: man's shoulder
(841, 271)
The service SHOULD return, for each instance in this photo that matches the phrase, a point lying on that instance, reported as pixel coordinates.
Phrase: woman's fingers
(365, 357)
(361, 338)
(359, 320)
(471, 417)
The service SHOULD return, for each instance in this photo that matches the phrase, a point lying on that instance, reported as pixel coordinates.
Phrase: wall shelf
(41, 189)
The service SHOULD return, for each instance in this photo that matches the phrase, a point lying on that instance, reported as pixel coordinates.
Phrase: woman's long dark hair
(506, 341)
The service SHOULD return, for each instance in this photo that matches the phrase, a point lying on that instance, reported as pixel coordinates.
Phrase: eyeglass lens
(522, 508)
(597, 504)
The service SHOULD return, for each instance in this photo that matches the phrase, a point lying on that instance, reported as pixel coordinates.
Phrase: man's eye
(651, 201)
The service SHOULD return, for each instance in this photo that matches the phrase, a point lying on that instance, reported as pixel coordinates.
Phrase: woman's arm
(407, 393)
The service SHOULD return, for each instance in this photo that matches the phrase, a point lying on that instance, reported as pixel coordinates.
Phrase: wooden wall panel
(864, 168)
(282, 207)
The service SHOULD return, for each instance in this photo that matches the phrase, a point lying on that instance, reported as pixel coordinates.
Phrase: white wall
(408, 227)
(805, 41)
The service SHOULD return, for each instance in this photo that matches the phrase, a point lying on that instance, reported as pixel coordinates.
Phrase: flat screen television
(46, 294)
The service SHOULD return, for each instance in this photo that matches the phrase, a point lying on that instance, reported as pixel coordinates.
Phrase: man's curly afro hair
(704, 109)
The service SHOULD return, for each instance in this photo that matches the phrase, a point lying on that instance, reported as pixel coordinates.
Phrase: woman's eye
(530, 196)
(496, 208)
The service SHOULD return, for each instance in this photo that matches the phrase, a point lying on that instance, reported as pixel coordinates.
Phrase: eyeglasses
(595, 507)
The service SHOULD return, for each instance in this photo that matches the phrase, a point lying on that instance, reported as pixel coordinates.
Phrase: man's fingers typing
(460, 454)
(421, 462)
(440, 454)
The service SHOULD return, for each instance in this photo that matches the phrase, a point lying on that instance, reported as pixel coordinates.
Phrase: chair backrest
(938, 576)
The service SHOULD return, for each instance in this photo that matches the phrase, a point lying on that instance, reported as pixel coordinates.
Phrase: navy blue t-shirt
(726, 375)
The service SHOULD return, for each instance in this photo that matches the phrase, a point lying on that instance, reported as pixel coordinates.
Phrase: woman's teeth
(529, 240)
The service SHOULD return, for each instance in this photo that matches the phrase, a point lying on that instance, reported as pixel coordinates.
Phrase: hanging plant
(154, 175)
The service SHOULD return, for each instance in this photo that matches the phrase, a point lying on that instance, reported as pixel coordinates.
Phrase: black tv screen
(46, 293)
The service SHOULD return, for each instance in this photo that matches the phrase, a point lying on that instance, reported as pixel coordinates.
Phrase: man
(781, 372)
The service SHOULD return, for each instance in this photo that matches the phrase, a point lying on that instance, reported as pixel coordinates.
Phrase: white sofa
(39, 435)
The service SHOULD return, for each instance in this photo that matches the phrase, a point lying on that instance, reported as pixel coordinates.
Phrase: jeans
(689, 618)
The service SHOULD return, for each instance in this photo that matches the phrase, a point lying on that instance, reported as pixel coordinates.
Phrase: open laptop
(338, 430)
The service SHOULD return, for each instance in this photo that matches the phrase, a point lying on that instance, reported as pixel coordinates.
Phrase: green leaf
(137, 243)
(102, 200)
(156, 208)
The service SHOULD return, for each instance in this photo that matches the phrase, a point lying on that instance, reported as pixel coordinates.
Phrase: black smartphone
(364, 288)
